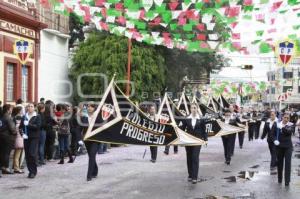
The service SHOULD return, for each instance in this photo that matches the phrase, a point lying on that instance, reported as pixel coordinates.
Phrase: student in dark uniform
(195, 126)
(252, 124)
(284, 148)
(228, 139)
(31, 124)
(270, 129)
(152, 116)
(234, 119)
(92, 147)
(241, 134)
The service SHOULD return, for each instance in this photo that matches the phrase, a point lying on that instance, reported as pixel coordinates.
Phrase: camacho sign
(5, 25)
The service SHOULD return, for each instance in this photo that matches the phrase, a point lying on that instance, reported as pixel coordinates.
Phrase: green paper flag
(188, 27)
(264, 48)
(259, 33)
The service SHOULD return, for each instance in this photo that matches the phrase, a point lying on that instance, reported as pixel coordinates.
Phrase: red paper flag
(201, 37)
(275, 6)
(234, 11)
(173, 5)
(181, 21)
(233, 25)
(121, 20)
(247, 2)
(119, 6)
(236, 36)
(201, 27)
(99, 2)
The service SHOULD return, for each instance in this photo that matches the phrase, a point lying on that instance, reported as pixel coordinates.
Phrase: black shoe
(88, 179)
(287, 184)
(194, 181)
(166, 153)
(95, 176)
(279, 181)
(227, 162)
(175, 152)
(31, 176)
(241, 147)
(189, 179)
(71, 160)
(61, 161)
(153, 161)
(6, 171)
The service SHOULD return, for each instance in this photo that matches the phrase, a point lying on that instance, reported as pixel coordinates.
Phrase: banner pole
(128, 68)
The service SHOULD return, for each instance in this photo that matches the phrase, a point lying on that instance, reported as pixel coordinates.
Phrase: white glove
(26, 122)
(279, 125)
(80, 143)
(276, 142)
(25, 137)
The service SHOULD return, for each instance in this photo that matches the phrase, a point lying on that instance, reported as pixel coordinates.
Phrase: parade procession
(172, 99)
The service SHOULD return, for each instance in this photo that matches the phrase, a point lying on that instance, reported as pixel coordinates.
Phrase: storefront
(19, 29)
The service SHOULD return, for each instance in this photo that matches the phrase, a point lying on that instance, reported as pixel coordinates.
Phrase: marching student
(252, 125)
(152, 116)
(92, 147)
(234, 120)
(270, 129)
(195, 126)
(284, 148)
(228, 139)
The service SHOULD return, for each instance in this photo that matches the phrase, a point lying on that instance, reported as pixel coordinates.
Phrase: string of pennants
(193, 25)
(118, 120)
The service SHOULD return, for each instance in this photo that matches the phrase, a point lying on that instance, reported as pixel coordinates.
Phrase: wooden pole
(128, 68)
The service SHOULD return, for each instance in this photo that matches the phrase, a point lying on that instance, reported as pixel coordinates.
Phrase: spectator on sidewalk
(19, 143)
(7, 137)
(42, 138)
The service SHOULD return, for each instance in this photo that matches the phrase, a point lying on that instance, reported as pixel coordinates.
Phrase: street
(123, 173)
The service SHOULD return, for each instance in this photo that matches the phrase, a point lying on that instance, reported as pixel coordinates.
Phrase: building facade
(45, 33)
(18, 22)
(282, 80)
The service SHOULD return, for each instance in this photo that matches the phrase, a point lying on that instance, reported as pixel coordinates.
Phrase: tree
(75, 26)
(193, 65)
(107, 54)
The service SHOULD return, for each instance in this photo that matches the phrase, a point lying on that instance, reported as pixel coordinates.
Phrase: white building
(53, 71)
(283, 79)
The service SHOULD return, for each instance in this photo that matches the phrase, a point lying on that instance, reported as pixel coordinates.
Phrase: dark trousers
(251, 130)
(167, 149)
(31, 146)
(232, 138)
(227, 147)
(192, 158)
(92, 148)
(42, 141)
(284, 155)
(49, 145)
(241, 138)
(75, 137)
(153, 150)
(256, 130)
(273, 154)
(5, 149)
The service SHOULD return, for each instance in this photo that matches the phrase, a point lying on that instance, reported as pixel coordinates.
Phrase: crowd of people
(41, 133)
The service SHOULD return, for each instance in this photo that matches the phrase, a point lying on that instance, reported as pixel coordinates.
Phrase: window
(273, 90)
(287, 75)
(285, 88)
(24, 90)
(10, 84)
